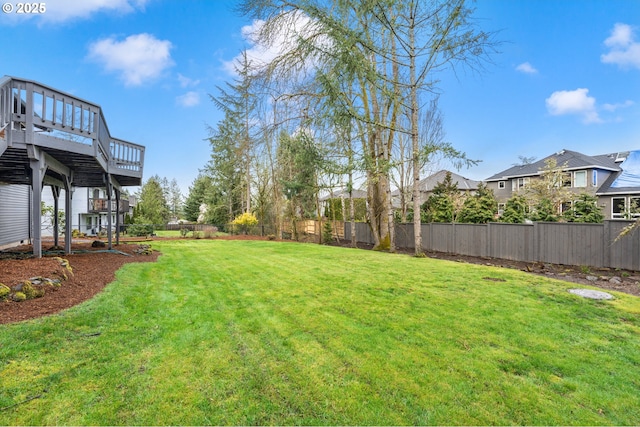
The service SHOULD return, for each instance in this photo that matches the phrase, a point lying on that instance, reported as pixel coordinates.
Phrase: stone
(615, 280)
(590, 293)
(592, 278)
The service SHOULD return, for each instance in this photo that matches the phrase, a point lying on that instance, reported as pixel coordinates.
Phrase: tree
(299, 161)
(238, 102)
(196, 197)
(358, 51)
(175, 200)
(584, 209)
(445, 202)
(544, 211)
(516, 210)
(48, 218)
(479, 208)
(550, 187)
(152, 206)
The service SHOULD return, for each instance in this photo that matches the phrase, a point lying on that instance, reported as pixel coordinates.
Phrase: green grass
(176, 233)
(253, 332)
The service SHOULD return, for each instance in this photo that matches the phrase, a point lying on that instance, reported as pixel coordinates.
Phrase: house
(89, 206)
(426, 185)
(54, 139)
(613, 178)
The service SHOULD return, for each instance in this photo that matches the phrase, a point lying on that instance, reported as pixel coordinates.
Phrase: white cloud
(527, 68)
(189, 99)
(294, 26)
(137, 59)
(576, 102)
(624, 48)
(187, 82)
(614, 107)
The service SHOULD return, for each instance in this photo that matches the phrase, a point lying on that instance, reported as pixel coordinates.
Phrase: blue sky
(567, 75)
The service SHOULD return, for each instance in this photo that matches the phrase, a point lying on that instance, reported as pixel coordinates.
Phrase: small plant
(184, 231)
(4, 292)
(584, 269)
(19, 296)
(327, 233)
(271, 237)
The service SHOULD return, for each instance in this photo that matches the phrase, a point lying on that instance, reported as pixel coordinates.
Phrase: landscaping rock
(592, 278)
(615, 280)
(590, 293)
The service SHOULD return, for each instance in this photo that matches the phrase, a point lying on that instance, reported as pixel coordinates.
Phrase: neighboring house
(606, 176)
(426, 185)
(89, 208)
(343, 195)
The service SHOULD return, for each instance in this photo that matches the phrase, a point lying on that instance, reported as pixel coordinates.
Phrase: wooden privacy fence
(591, 245)
(311, 226)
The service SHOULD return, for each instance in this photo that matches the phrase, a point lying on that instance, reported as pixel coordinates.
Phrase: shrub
(4, 292)
(184, 231)
(245, 221)
(139, 230)
(19, 296)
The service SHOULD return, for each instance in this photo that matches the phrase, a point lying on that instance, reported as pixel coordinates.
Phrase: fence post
(607, 247)
(536, 242)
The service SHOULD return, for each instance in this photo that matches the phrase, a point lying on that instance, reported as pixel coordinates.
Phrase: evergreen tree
(441, 204)
(584, 209)
(516, 210)
(197, 193)
(152, 206)
(479, 208)
(545, 211)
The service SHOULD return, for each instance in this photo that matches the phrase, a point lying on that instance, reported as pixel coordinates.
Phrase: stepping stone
(590, 293)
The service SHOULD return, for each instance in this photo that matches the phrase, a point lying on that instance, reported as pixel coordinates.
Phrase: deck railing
(31, 106)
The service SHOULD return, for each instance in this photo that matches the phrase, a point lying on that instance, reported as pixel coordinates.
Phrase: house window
(618, 207)
(519, 183)
(566, 179)
(565, 206)
(594, 178)
(501, 184)
(580, 179)
(501, 207)
(634, 207)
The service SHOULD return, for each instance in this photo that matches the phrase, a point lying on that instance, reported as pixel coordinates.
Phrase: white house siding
(14, 214)
(85, 222)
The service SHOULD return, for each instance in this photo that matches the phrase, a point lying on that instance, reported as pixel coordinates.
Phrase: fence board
(591, 245)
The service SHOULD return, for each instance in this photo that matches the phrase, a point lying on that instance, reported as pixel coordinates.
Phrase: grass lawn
(256, 332)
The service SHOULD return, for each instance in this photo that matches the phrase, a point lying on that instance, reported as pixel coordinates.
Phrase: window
(618, 207)
(501, 208)
(566, 179)
(625, 207)
(565, 206)
(594, 178)
(634, 207)
(501, 184)
(580, 179)
(519, 183)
